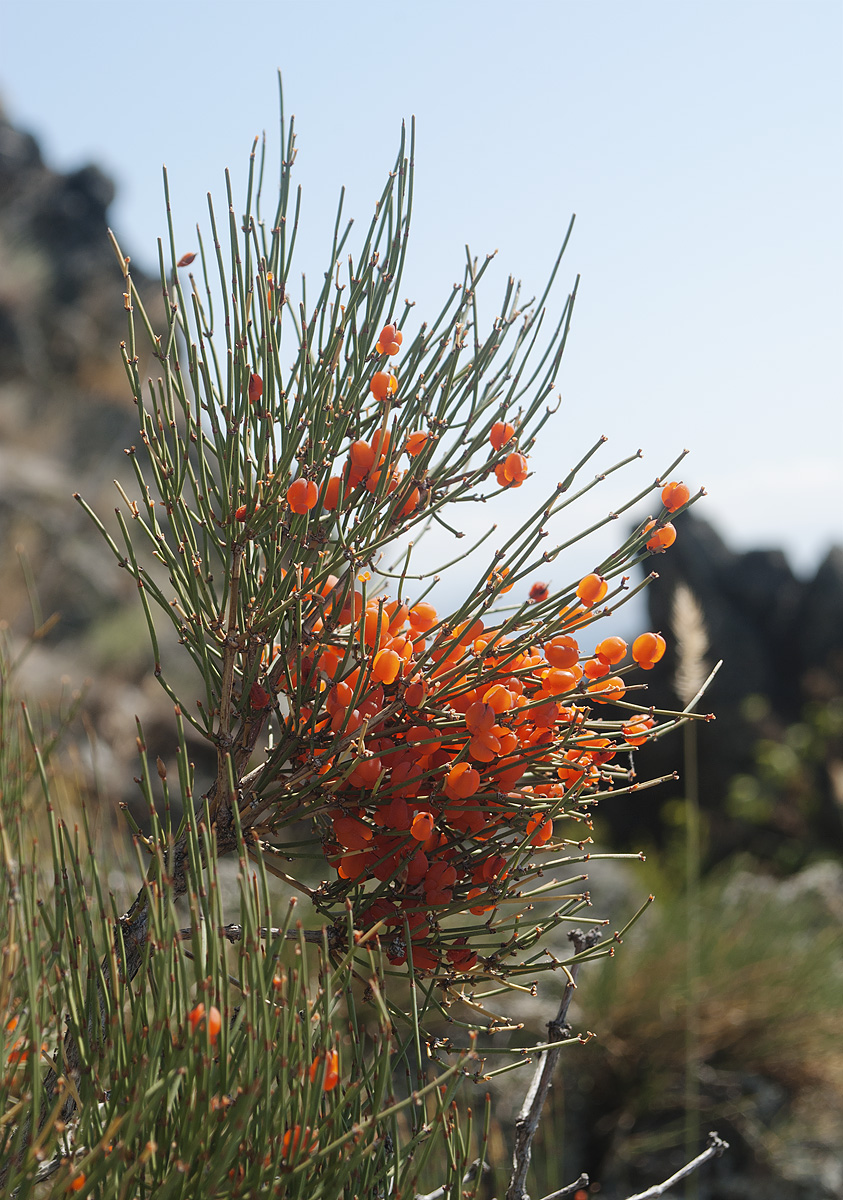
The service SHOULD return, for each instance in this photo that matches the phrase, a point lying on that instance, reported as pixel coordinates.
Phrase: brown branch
(568, 1189)
(715, 1148)
(531, 1110)
(234, 933)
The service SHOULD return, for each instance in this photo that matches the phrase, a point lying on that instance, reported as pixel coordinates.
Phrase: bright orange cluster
(389, 340)
(512, 470)
(365, 465)
(481, 740)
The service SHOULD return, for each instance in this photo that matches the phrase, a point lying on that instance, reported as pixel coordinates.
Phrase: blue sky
(701, 146)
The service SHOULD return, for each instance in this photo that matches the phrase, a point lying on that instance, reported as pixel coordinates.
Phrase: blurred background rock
(66, 416)
(770, 767)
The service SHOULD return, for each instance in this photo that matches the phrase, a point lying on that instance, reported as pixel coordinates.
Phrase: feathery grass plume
(690, 636)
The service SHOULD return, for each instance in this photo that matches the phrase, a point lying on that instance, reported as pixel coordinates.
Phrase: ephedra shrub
(420, 777)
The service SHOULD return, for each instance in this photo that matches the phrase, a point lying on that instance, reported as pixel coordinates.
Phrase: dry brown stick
(234, 933)
(715, 1148)
(568, 1189)
(531, 1110)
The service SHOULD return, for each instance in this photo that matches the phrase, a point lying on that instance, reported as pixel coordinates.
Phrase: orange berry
(255, 388)
(351, 833)
(368, 771)
(637, 732)
(515, 469)
(540, 828)
(214, 1023)
(648, 649)
(423, 616)
(380, 443)
(197, 1015)
(383, 385)
(422, 826)
(562, 652)
(539, 592)
(332, 1073)
(461, 956)
(241, 513)
(332, 493)
(557, 682)
(424, 959)
(389, 340)
(674, 495)
(415, 693)
(479, 908)
(374, 480)
(611, 650)
(480, 748)
(259, 697)
(661, 538)
(462, 781)
(352, 866)
(595, 668)
(291, 1139)
(468, 632)
(416, 442)
(604, 690)
(498, 698)
(397, 814)
(479, 717)
(302, 495)
(498, 576)
(77, 1183)
(501, 433)
(423, 740)
(386, 336)
(411, 503)
(362, 457)
(386, 666)
(19, 1052)
(592, 589)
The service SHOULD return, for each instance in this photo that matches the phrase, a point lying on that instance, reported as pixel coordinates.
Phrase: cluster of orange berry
(436, 803)
(512, 470)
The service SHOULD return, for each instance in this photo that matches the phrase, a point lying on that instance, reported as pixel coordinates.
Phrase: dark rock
(781, 643)
(65, 409)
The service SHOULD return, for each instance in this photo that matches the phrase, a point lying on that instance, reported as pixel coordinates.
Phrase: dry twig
(531, 1110)
(715, 1148)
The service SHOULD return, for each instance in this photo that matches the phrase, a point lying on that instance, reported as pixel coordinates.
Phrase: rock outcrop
(65, 409)
(781, 642)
